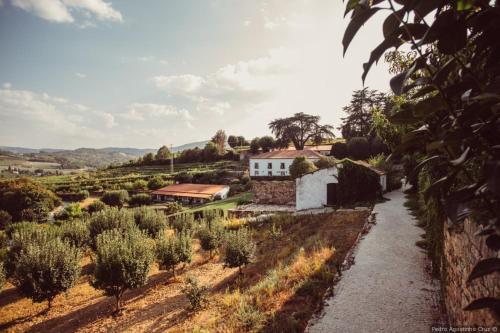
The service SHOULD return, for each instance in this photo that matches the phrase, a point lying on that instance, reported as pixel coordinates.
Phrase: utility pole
(171, 160)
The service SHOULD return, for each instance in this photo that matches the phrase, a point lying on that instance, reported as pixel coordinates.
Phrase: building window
(256, 165)
(269, 173)
(283, 173)
(282, 165)
(256, 173)
(269, 165)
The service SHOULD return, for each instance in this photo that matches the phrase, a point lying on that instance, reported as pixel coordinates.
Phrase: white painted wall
(276, 167)
(383, 182)
(223, 194)
(311, 188)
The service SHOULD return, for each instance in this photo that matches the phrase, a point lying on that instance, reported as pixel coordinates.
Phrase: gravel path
(387, 288)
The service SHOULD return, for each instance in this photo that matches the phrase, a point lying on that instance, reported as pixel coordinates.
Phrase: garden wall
(278, 192)
(462, 250)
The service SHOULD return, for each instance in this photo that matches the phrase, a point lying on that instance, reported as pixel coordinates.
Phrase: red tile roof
(190, 190)
(315, 148)
(288, 154)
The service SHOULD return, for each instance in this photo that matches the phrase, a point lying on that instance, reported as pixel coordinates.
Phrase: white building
(316, 189)
(277, 163)
(322, 149)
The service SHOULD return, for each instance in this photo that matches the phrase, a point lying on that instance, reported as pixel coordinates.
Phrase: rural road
(387, 288)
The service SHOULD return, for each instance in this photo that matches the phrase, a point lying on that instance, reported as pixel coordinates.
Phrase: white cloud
(152, 111)
(7, 85)
(62, 11)
(247, 23)
(153, 59)
(179, 84)
(80, 75)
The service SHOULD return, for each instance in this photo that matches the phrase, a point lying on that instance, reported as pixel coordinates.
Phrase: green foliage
(239, 248)
(211, 152)
(185, 246)
(172, 208)
(196, 294)
(266, 143)
(5, 219)
(389, 133)
(2, 275)
(339, 150)
(76, 233)
(453, 100)
(358, 148)
(156, 183)
(96, 206)
(167, 253)
(123, 261)
(140, 199)
(356, 183)
(254, 146)
(108, 219)
(183, 177)
(150, 220)
(211, 235)
(301, 166)
(70, 212)
(380, 162)
(300, 128)
(24, 199)
(115, 198)
(163, 153)
(46, 269)
(140, 185)
(182, 222)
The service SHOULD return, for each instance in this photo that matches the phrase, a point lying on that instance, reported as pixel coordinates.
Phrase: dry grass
(279, 291)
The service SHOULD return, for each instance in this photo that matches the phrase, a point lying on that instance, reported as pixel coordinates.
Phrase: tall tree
(220, 141)
(232, 141)
(299, 129)
(163, 153)
(358, 122)
(266, 143)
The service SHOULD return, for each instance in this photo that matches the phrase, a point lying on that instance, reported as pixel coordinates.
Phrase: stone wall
(462, 250)
(274, 192)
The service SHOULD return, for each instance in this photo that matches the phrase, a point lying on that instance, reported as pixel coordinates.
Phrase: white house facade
(277, 163)
(316, 189)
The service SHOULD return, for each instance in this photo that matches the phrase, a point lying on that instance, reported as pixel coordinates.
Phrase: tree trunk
(241, 271)
(49, 304)
(173, 271)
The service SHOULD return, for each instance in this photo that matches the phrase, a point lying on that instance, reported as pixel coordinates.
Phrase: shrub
(156, 183)
(339, 150)
(172, 208)
(245, 180)
(167, 253)
(380, 161)
(196, 294)
(182, 222)
(108, 219)
(72, 211)
(76, 233)
(81, 195)
(96, 206)
(211, 235)
(358, 148)
(150, 220)
(239, 248)
(324, 163)
(2, 275)
(140, 199)
(356, 183)
(123, 261)
(185, 247)
(140, 184)
(301, 166)
(115, 198)
(5, 219)
(183, 177)
(46, 269)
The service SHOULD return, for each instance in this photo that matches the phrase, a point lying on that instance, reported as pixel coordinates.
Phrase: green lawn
(226, 204)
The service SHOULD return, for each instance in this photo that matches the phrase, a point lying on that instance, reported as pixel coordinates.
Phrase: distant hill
(89, 157)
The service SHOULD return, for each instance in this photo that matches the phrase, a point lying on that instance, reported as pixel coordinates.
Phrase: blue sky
(90, 73)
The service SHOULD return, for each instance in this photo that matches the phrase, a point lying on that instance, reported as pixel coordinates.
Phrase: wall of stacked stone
(462, 250)
(274, 192)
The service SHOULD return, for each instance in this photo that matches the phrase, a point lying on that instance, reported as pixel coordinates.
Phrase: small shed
(316, 189)
(191, 193)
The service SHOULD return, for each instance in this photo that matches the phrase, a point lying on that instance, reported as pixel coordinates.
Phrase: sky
(128, 73)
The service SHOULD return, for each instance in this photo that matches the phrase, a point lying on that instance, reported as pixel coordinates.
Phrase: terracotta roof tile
(288, 154)
(190, 190)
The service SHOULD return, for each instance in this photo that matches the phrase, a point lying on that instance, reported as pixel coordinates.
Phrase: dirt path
(387, 288)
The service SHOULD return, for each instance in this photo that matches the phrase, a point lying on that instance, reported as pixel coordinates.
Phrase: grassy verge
(226, 204)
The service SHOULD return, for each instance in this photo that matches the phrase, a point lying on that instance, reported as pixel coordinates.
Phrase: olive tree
(150, 220)
(115, 198)
(211, 235)
(76, 232)
(108, 219)
(239, 248)
(123, 261)
(167, 253)
(46, 269)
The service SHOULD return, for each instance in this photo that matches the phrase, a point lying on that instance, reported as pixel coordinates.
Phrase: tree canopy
(163, 153)
(299, 129)
(220, 141)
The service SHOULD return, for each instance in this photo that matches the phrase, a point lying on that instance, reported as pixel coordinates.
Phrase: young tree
(123, 261)
(358, 122)
(46, 269)
(239, 248)
(266, 143)
(115, 198)
(211, 235)
(301, 166)
(76, 233)
(167, 253)
(163, 153)
(140, 199)
(255, 146)
(185, 246)
(108, 219)
(220, 141)
(150, 220)
(196, 294)
(156, 183)
(299, 129)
